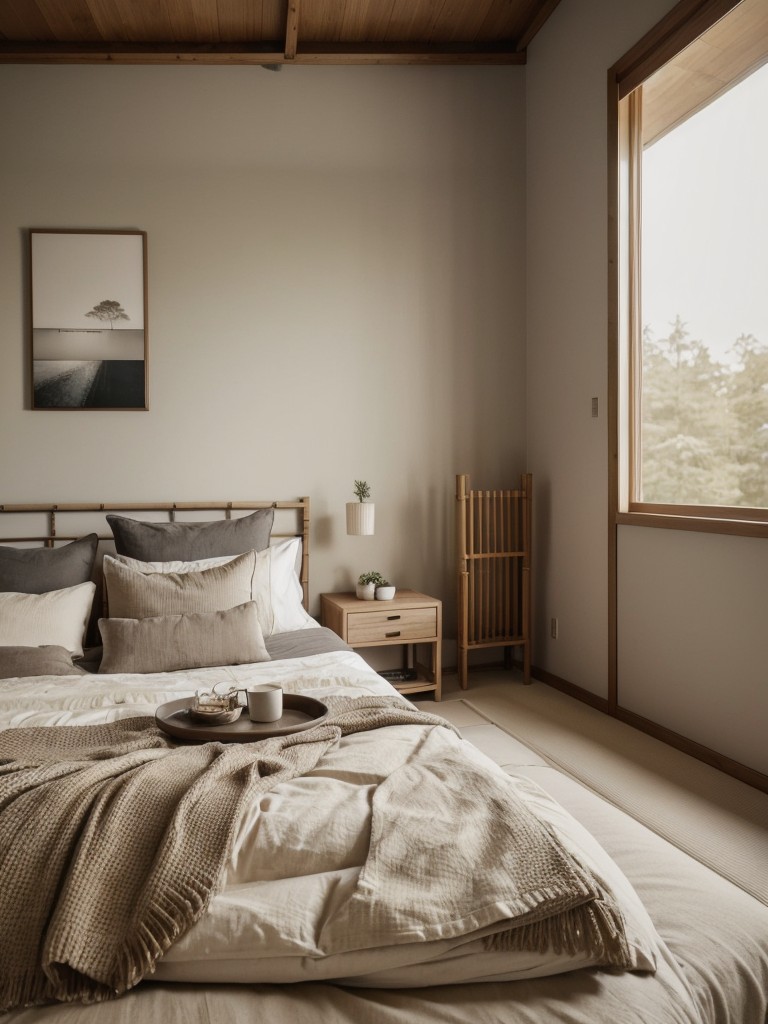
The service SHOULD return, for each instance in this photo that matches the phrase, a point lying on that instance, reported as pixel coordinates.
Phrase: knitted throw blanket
(455, 850)
(113, 841)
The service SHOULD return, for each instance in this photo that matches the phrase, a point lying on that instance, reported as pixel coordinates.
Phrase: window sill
(693, 523)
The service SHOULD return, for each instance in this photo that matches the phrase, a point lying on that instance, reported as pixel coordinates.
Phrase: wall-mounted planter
(360, 518)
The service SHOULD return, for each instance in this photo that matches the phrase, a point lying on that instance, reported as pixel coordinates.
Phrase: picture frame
(88, 319)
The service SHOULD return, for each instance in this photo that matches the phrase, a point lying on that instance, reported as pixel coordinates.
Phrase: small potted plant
(367, 584)
(360, 513)
(384, 591)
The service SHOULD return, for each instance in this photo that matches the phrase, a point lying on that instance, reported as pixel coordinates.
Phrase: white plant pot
(385, 593)
(365, 591)
(360, 518)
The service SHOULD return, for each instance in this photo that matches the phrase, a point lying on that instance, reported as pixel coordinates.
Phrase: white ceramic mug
(265, 702)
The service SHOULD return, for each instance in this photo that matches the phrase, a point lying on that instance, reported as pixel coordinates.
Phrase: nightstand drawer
(376, 627)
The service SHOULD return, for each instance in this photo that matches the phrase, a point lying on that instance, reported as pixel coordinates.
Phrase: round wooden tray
(299, 713)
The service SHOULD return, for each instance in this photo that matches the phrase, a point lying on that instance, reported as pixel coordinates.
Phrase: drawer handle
(391, 617)
(396, 633)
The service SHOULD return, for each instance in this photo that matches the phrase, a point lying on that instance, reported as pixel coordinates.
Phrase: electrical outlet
(553, 628)
(595, 408)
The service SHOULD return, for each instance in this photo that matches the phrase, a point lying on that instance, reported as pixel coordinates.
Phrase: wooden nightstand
(408, 619)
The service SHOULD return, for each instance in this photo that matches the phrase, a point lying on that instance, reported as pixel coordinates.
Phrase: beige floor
(715, 818)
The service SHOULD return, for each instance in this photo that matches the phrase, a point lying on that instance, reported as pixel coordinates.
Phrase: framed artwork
(89, 319)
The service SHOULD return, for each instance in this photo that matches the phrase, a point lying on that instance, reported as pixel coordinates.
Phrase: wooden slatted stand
(493, 531)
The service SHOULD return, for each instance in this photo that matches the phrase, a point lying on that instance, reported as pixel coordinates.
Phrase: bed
(341, 891)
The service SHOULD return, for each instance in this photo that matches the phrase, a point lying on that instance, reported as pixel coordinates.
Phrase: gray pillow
(138, 595)
(49, 660)
(167, 542)
(168, 643)
(40, 570)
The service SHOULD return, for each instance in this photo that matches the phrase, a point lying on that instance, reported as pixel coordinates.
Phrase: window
(693, 413)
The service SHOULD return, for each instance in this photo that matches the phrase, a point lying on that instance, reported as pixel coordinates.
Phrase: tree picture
(109, 310)
(87, 356)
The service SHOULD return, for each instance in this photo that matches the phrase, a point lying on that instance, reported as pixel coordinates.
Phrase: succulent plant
(372, 577)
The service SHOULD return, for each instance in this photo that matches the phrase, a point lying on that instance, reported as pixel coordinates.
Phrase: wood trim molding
(571, 689)
(269, 53)
(693, 524)
(673, 739)
(614, 333)
(684, 23)
(731, 50)
(731, 513)
(711, 757)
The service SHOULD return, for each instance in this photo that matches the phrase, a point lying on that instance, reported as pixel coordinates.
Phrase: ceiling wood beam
(536, 22)
(262, 53)
(358, 56)
(291, 29)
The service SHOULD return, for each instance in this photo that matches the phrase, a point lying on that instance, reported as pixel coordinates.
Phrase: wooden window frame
(682, 26)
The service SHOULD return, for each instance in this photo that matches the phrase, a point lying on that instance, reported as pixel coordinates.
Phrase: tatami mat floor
(719, 820)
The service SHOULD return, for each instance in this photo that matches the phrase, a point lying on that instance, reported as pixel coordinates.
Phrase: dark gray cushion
(91, 658)
(40, 570)
(167, 542)
(37, 661)
(302, 643)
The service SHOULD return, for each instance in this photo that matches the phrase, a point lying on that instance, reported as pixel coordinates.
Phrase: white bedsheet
(88, 700)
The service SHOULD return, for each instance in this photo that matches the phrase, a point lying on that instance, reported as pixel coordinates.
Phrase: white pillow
(286, 594)
(58, 617)
(276, 586)
(180, 567)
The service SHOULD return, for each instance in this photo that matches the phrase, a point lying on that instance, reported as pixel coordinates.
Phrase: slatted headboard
(52, 524)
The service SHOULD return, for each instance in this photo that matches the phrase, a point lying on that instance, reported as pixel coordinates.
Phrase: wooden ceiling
(270, 32)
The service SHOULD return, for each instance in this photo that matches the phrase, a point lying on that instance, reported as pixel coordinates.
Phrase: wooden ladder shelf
(493, 531)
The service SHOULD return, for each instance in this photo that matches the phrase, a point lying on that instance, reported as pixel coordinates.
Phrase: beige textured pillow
(137, 595)
(168, 643)
(276, 588)
(48, 660)
(58, 618)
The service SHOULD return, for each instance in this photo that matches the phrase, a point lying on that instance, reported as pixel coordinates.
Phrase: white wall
(692, 639)
(336, 291)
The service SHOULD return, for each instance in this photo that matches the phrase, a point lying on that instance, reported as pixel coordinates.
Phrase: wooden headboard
(52, 524)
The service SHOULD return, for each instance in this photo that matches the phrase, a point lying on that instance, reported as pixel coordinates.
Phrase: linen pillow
(276, 587)
(168, 643)
(58, 617)
(161, 542)
(138, 595)
(40, 570)
(49, 660)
